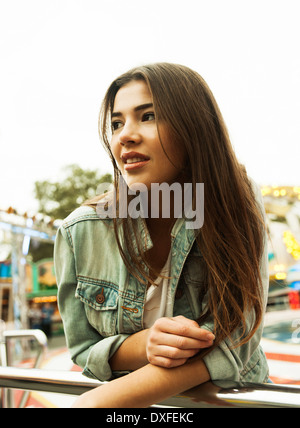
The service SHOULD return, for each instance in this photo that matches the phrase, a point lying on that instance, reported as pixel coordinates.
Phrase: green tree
(59, 199)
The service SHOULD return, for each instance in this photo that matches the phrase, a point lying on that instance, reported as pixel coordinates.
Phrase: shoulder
(83, 214)
(83, 228)
(80, 214)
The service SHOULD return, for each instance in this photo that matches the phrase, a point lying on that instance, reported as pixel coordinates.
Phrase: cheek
(176, 155)
(172, 148)
(115, 150)
(180, 157)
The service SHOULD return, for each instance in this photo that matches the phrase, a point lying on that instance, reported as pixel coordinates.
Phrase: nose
(130, 134)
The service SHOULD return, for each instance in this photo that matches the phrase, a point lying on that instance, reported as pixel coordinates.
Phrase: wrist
(142, 341)
(132, 354)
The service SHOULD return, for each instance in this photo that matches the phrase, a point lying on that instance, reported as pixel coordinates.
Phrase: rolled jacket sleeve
(222, 365)
(88, 349)
(246, 363)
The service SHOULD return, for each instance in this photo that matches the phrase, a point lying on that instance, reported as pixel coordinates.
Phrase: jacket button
(100, 297)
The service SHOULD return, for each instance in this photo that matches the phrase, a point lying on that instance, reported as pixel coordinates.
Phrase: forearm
(131, 355)
(146, 386)
(170, 342)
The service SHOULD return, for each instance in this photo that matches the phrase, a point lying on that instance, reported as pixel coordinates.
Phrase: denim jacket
(101, 303)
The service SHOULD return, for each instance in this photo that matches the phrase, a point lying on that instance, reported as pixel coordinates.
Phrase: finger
(187, 328)
(194, 330)
(194, 325)
(174, 353)
(166, 362)
(180, 342)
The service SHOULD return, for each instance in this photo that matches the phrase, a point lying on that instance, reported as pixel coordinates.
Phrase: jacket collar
(179, 233)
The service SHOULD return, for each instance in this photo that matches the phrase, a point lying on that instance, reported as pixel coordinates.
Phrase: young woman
(167, 305)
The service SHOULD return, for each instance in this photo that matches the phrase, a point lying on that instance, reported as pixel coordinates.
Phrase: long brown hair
(231, 239)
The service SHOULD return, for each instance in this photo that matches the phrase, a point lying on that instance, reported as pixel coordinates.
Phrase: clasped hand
(172, 341)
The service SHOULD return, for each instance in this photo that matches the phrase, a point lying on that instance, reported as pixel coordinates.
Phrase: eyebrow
(136, 109)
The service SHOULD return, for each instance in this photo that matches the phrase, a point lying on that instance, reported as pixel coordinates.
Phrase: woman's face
(135, 143)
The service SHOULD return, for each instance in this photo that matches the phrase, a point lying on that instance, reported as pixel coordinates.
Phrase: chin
(137, 183)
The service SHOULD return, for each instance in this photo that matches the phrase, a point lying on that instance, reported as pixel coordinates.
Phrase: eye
(116, 125)
(147, 117)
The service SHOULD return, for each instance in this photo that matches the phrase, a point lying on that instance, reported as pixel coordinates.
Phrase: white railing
(218, 394)
(40, 340)
(210, 394)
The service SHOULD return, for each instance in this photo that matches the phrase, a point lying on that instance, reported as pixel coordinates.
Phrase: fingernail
(210, 336)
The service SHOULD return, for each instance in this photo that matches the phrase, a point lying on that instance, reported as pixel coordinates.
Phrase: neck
(162, 226)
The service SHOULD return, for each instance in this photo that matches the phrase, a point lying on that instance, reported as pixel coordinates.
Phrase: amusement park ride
(282, 205)
(21, 229)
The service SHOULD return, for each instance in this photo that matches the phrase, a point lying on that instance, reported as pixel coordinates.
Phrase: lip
(136, 165)
(130, 155)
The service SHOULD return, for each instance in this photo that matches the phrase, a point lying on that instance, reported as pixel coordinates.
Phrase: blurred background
(58, 58)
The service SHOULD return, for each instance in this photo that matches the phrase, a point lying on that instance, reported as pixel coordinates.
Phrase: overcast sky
(58, 57)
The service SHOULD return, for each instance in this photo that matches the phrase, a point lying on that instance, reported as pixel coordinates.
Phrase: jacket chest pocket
(101, 305)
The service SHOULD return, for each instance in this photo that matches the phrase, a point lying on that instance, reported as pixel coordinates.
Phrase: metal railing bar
(220, 394)
(6, 358)
(38, 335)
(73, 383)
